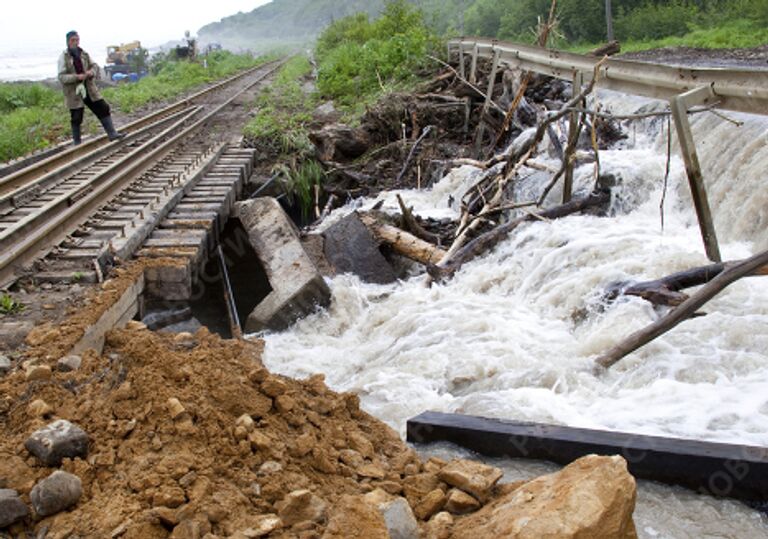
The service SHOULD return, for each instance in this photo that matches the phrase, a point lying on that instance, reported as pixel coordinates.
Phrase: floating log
(685, 310)
(717, 469)
(666, 291)
(402, 242)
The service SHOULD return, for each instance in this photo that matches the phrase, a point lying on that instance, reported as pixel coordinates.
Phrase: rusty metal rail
(73, 155)
(45, 221)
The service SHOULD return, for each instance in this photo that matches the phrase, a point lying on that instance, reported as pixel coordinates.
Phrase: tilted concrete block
(297, 286)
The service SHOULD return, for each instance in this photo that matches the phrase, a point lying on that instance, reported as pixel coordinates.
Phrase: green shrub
(8, 305)
(358, 57)
(657, 21)
(173, 78)
(27, 129)
(18, 95)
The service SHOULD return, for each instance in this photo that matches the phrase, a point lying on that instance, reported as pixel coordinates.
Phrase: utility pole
(609, 20)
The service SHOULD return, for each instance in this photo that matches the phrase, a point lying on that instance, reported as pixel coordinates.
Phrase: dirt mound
(192, 433)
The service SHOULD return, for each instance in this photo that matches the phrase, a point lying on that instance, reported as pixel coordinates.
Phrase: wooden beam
(718, 469)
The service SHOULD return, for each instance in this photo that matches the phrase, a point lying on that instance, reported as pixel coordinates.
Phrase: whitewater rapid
(514, 334)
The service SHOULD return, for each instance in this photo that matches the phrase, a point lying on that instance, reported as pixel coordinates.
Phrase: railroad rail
(741, 90)
(101, 194)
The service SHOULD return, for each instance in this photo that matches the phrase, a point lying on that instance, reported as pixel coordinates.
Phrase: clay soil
(152, 468)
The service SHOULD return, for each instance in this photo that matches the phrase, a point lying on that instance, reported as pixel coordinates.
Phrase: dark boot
(112, 133)
(75, 134)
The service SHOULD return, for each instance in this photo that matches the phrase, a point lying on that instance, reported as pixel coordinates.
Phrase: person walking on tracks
(77, 74)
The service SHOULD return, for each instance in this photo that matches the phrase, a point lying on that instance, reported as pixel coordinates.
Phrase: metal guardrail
(743, 90)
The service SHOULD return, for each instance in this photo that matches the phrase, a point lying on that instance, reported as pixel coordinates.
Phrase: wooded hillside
(581, 21)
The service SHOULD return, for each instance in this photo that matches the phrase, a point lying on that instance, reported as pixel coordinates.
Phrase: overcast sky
(27, 25)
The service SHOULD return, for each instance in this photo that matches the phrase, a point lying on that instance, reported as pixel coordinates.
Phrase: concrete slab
(297, 286)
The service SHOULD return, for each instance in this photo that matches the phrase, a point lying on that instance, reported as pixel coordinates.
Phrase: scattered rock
(12, 509)
(273, 386)
(417, 486)
(246, 422)
(350, 247)
(354, 518)
(175, 408)
(61, 439)
(169, 496)
(361, 444)
(460, 503)
(69, 363)
(260, 526)
(475, 478)
(300, 505)
(440, 526)
(430, 504)
(326, 109)
(592, 497)
(57, 492)
(270, 467)
(5, 365)
(38, 372)
(372, 470)
(39, 408)
(399, 519)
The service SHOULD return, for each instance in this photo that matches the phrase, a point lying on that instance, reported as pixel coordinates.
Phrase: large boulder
(591, 498)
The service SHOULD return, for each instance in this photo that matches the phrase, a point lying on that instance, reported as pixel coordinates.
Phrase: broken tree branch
(486, 241)
(542, 39)
(666, 291)
(465, 81)
(414, 226)
(408, 159)
(732, 273)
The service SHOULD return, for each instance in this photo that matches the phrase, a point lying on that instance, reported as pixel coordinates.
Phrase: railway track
(100, 200)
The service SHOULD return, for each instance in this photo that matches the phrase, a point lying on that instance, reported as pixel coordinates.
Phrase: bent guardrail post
(488, 95)
(679, 106)
(473, 70)
(573, 125)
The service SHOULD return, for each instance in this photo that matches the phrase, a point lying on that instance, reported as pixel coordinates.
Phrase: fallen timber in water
(666, 291)
(685, 310)
(717, 469)
(486, 241)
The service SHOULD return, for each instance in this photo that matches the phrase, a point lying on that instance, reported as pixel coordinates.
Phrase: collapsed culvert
(226, 288)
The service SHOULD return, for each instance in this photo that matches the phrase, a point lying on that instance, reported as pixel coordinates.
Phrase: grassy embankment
(358, 61)
(33, 116)
(735, 34)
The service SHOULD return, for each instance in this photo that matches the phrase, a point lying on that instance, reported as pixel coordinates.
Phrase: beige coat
(68, 79)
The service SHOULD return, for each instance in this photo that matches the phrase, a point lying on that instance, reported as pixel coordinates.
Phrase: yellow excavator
(126, 61)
